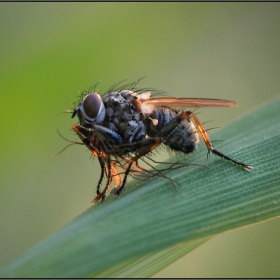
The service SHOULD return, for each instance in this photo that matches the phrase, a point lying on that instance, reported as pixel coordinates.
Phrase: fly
(126, 124)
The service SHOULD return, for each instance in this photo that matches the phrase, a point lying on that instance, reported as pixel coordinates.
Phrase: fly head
(90, 110)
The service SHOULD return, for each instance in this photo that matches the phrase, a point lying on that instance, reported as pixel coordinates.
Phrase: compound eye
(92, 104)
(92, 108)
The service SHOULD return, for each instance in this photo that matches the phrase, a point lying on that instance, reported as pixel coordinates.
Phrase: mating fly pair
(126, 124)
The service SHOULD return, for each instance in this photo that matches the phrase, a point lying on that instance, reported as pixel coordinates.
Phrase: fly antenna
(68, 111)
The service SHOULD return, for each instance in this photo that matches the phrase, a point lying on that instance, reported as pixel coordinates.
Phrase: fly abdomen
(179, 135)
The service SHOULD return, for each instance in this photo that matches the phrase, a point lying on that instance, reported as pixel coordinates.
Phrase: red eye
(92, 104)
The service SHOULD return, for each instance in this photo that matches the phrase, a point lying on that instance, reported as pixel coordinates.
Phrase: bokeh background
(51, 51)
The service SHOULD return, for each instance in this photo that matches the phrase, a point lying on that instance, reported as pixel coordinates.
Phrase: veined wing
(187, 102)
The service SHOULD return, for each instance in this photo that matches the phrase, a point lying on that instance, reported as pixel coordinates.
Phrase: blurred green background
(51, 51)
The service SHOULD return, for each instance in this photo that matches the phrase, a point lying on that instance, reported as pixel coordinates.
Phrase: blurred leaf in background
(51, 51)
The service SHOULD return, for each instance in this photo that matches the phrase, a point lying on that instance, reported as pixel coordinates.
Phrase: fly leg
(207, 140)
(94, 153)
(145, 147)
(102, 195)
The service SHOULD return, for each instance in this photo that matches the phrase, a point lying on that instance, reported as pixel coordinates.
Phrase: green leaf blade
(119, 236)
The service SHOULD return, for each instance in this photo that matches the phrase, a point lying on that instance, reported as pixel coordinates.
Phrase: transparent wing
(187, 102)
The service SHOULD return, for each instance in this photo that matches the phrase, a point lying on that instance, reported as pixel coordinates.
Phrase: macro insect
(126, 124)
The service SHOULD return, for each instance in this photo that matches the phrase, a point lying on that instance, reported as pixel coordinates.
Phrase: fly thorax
(123, 117)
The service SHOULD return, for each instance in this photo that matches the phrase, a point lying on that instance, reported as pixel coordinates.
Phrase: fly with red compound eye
(126, 124)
